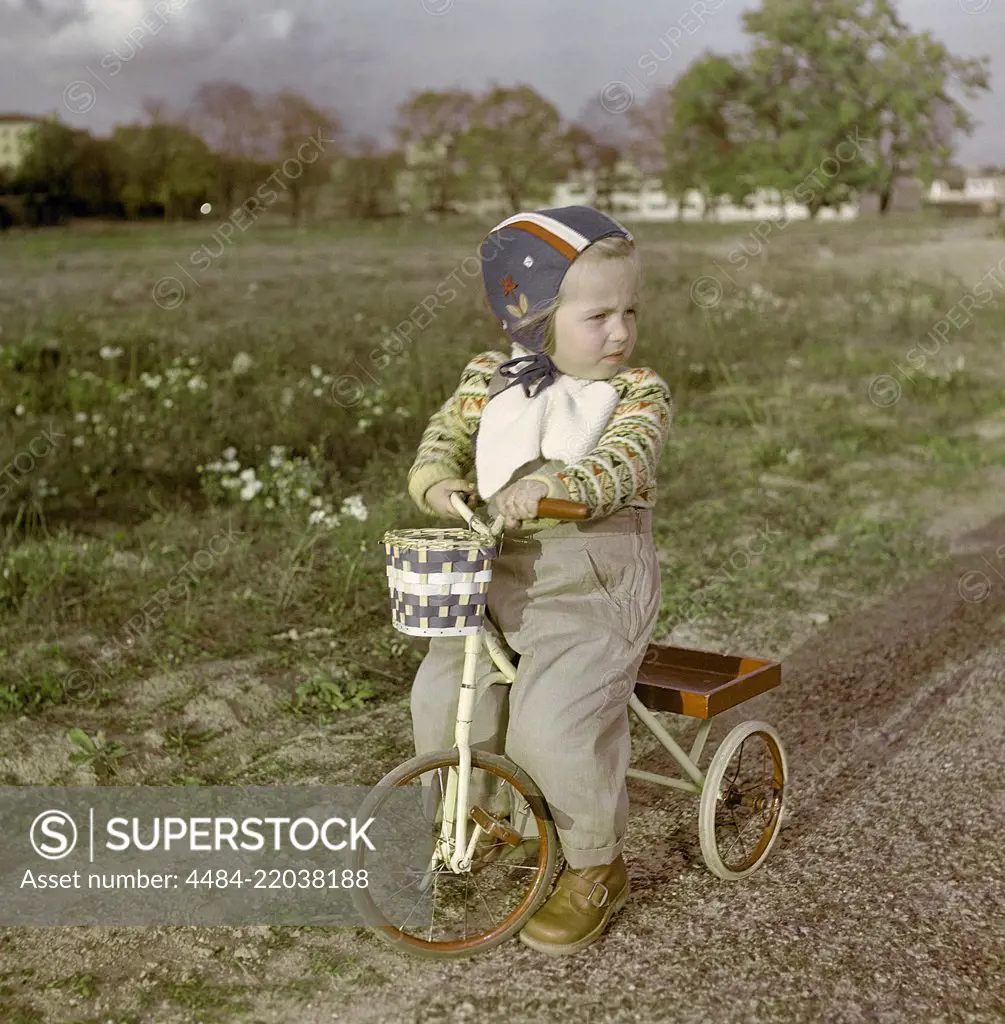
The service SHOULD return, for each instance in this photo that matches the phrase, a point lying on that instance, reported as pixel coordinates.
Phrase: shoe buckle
(603, 899)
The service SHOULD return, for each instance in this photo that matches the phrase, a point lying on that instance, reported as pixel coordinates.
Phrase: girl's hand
(438, 496)
(519, 501)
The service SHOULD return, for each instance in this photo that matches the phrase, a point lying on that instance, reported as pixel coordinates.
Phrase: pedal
(494, 827)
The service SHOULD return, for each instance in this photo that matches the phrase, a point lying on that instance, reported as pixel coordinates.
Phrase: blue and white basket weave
(439, 580)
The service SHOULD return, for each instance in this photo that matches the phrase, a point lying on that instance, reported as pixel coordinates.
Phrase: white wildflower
(96, 417)
(354, 507)
(78, 442)
(316, 517)
(19, 410)
(193, 360)
(363, 423)
(247, 475)
(250, 489)
(301, 494)
(109, 352)
(81, 417)
(401, 411)
(151, 380)
(316, 371)
(242, 364)
(318, 392)
(196, 383)
(168, 403)
(316, 502)
(231, 467)
(230, 453)
(270, 503)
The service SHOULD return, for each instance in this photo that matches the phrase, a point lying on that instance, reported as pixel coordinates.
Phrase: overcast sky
(363, 58)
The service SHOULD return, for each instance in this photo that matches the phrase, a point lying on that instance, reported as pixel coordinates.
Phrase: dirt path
(877, 903)
(880, 897)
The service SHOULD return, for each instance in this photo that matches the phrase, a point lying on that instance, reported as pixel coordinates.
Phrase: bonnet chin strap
(539, 370)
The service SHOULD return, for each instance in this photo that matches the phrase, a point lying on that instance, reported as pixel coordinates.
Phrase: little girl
(563, 417)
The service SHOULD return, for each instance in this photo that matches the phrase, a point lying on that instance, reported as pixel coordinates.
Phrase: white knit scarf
(564, 422)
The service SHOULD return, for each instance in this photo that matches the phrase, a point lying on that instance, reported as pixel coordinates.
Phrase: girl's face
(595, 329)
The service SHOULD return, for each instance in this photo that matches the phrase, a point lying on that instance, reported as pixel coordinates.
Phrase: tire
(538, 876)
(760, 803)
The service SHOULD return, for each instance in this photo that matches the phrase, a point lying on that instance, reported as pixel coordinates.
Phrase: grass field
(190, 482)
(195, 490)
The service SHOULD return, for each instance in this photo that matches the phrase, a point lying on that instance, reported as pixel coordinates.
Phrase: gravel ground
(882, 900)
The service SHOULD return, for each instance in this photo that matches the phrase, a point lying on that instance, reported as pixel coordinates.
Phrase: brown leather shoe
(578, 911)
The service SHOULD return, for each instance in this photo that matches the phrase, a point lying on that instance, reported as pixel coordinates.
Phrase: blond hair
(613, 247)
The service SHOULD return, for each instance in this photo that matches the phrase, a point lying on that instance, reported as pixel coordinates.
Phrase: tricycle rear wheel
(742, 800)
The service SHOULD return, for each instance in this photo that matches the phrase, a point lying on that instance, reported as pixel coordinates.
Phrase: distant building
(637, 197)
(979, 194)
(14, 132)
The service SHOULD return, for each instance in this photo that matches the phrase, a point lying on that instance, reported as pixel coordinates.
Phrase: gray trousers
(578, 602)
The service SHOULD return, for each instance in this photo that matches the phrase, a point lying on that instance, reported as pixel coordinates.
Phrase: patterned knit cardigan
(620, 471)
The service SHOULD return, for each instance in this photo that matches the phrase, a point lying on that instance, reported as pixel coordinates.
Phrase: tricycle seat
(701, 684)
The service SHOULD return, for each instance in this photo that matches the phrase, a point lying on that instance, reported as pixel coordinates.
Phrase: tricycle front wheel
(456, 915)
(742, 800)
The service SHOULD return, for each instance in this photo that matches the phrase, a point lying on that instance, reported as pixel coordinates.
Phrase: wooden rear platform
(701, 684)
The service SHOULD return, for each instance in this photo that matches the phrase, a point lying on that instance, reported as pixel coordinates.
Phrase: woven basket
(439, 580)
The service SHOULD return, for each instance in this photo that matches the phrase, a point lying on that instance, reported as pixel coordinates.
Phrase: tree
(50, 159)
(366, 179)
(296, 129)
(228, 117)
(97, 178)
(711, 144)
(430, 127)
(163, 163)
(649, 124)
(825, 71)
(514, 142)
(601, 163)
(835, 97)
(915, 124)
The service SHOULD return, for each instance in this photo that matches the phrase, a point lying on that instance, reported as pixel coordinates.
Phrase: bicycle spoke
(482, 898)
(739, 834)
(432, 913)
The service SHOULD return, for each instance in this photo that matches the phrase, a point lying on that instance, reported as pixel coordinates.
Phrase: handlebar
(547, 508)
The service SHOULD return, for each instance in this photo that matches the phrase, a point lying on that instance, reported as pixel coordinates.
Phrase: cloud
(363, 59)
